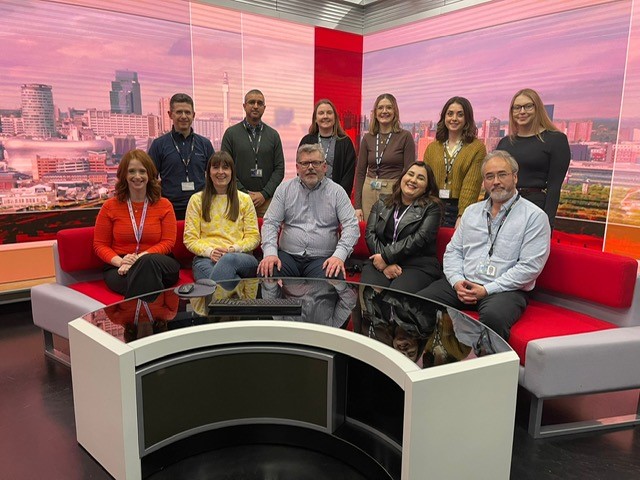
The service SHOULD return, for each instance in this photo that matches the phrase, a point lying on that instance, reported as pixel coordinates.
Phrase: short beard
(501, 195)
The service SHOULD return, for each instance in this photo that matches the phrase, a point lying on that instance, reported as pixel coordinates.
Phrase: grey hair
(506, 156)
(310, 148)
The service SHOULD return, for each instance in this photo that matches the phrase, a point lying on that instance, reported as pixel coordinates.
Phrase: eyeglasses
(529, 107)
(490, 177)
(314, 164)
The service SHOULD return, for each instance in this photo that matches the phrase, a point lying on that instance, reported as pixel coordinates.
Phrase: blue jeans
(231, 266)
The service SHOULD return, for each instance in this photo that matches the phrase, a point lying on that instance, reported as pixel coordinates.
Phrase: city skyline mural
(82, 84)
(575, 56)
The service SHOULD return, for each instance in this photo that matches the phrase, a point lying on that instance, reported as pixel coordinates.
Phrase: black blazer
(417, 234)
(344, 160)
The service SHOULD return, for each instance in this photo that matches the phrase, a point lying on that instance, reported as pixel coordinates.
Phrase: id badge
(445, 193)
(256, 172)
(485, 268)
(376, 184)
(188, 186)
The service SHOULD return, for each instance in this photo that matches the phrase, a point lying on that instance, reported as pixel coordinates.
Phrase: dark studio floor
(37, 433)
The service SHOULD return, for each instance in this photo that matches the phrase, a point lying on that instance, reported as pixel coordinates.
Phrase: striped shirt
(310, 220)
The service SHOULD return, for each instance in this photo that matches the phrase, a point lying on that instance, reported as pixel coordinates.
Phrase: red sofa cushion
(98, 290)
(572, 271)
(179, 251)
(542, 320)
(361, 250)
(75, 250)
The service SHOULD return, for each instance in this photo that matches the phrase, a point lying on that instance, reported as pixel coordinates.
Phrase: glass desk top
(426, 332)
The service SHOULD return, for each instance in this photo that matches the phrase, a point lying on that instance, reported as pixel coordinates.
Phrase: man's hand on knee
(266, 266)
(333, 267)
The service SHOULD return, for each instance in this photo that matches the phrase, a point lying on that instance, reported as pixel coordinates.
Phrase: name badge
(487, 269)
(445, 193)
(256, 172)
(188, 186)
(376, 184)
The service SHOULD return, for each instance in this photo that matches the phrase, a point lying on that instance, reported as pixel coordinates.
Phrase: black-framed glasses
(528, 107)
(314, 164)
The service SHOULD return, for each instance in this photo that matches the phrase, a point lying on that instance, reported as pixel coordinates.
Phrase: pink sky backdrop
(474, 17)
(630, 114)
(78, 49)
(574, 59)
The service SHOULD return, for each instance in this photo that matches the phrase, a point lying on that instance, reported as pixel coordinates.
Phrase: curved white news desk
(457, 418)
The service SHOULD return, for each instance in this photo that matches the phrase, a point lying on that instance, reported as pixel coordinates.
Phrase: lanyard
(252, 136)
(332, 141)
(188, 160)
(137, 231)
(397, 216)
(146, 307)
(379, 157)
(449, 159)
(493, 241)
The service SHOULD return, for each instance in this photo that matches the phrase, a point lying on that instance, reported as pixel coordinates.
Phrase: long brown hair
(540, 120)
(233, 202)
(122, 186)
(469, 131)
(374, 126)
(338, 131)
(430, 194)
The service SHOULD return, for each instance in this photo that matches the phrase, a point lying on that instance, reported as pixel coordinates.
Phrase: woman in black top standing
(338, 149)
(541, 150)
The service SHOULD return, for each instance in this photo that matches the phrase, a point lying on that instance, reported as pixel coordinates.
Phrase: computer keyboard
(256, 306)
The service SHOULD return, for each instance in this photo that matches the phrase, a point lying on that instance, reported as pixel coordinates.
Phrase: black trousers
(150, 273)
(498, 311)
(411, 280)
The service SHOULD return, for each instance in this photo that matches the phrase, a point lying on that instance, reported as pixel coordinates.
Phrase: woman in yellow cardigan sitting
(221, 226)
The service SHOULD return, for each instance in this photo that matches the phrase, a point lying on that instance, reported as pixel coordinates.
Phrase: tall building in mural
(164, 106)
(38, 116)
(125, 93)
(225, 101)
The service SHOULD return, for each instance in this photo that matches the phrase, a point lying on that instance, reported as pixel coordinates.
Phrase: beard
(501, 195)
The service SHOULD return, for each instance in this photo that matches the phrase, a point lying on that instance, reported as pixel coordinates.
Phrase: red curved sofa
(580, 333)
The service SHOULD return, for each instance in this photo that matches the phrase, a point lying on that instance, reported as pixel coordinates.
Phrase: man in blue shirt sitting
(497, 251)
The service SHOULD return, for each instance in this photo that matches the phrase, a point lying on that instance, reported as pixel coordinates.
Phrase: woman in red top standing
(136, 230)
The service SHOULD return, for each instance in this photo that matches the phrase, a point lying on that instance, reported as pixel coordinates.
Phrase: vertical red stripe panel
(338, 75)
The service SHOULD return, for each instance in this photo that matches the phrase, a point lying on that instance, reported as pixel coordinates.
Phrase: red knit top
(114, 233)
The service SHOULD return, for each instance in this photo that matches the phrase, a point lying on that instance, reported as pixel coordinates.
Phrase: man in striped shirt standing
(317, 223)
